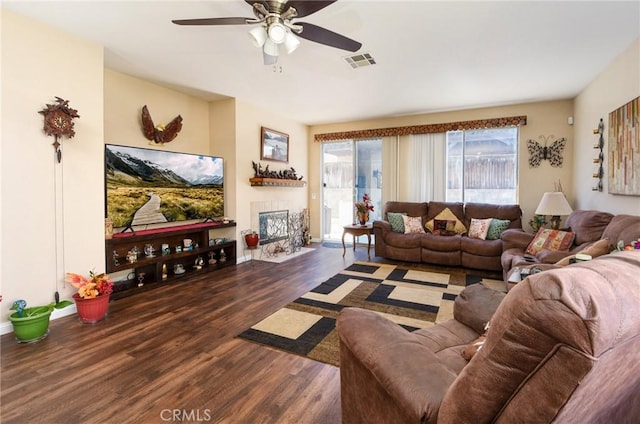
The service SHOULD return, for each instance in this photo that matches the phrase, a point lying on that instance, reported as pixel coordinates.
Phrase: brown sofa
(562, 347)
(589, 226)
(444, 250)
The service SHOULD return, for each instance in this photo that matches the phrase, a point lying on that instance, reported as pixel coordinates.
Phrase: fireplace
(273, 226)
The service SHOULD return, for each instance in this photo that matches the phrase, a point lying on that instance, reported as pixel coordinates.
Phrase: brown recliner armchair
(562, 347)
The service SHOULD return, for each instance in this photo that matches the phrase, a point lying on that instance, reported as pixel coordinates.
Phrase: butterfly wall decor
(552, 153)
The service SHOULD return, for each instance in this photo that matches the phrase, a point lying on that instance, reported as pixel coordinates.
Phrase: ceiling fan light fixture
(258, 36)
(277, 32)
(291, 43)
(270, 48)
(268, 59)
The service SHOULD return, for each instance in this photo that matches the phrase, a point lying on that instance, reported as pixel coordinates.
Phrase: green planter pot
(33, 326)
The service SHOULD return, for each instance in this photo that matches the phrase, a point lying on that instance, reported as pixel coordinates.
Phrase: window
(482, 166)
(351, 168)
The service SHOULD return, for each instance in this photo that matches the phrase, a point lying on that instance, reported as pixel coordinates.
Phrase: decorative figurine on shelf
(149, 250)
(188, 244)
(164, 271)
(287, 174)
(199, 263)
(212, 258)
(141, 276)
(178, 269)
(115, 258)
(132, 257)
(165, 249)
(223, 256)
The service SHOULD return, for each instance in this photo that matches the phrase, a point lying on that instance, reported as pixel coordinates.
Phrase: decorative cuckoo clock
(58, 122)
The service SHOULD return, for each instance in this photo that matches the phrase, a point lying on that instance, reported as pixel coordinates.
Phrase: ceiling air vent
(360, 60)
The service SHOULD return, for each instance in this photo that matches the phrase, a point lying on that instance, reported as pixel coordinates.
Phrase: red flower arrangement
(92, 287)
(364, 206)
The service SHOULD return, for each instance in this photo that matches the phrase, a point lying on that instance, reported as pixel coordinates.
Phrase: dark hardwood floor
(170, 355)
(173, 351)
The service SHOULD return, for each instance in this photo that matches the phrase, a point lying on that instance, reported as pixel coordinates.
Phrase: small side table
(356, 231)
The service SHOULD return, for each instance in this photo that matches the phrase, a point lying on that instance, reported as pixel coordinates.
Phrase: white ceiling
(431, 56)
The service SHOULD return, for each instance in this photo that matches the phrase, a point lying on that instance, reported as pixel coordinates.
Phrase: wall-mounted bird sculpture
(160, 134)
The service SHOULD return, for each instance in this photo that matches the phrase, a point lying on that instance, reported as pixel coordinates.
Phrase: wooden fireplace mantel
(275, 182)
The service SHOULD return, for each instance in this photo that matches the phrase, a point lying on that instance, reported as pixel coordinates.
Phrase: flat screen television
(147, 186)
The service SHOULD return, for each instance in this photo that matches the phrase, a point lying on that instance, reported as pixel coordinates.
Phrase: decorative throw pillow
(444, 227)
(446, 214)
(496, 228)
(479, 228)
(395, 219)
(598, 248)
(548, 239)
(412, 224)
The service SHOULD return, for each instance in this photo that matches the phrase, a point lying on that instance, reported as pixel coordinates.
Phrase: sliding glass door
(350, 169)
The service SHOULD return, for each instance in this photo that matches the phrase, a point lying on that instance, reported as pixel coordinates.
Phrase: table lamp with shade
(554, 204)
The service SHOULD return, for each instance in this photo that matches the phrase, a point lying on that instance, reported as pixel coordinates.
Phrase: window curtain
(389, 169)
(428, 162)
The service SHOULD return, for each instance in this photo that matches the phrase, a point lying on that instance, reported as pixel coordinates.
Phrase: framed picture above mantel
(274, 145)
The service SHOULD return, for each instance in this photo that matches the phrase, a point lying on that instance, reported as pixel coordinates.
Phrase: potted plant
(92, 298)
(32, 324)
(537, 221)
(252, 239)
(363, 208)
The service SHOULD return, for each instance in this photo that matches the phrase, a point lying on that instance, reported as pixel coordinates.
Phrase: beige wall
(222, 118)
(52, 213)
(249, 120)
(124, 97)
(618, 84)
(543, 119)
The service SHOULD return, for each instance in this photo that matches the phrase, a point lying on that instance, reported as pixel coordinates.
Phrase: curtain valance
(510, 121)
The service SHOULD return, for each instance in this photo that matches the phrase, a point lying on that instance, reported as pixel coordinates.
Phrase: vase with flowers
(363, 208)
(92, 298)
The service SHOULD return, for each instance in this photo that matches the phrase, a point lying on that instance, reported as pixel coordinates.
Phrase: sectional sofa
(530, 369)
(448, 250)
(594, 232)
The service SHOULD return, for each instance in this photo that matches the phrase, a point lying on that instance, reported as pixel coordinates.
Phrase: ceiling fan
(276, 29)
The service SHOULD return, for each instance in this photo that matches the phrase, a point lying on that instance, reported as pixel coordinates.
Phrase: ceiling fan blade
(251, 2)
(211, 21)
(307, 7)
(324, 36)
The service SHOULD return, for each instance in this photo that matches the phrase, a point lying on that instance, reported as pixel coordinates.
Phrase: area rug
(282, 256)
(411, 298)
(336, 244)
